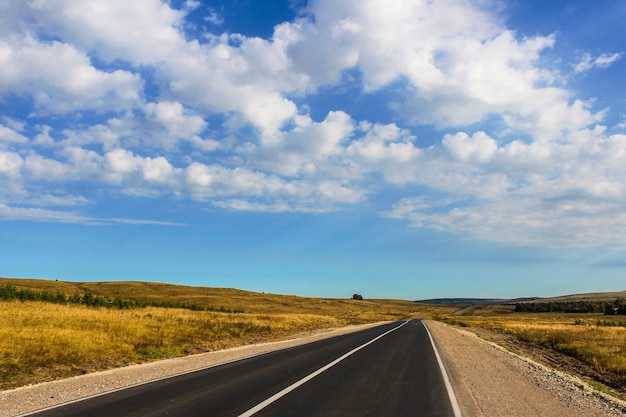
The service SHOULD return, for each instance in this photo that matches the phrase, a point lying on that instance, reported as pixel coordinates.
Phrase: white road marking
(446, 380)
(304, 380)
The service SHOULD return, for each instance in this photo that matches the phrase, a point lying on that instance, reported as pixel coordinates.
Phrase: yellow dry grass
(43, 341)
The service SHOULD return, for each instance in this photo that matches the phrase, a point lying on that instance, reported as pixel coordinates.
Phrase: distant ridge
(476, 301)
(593, 296)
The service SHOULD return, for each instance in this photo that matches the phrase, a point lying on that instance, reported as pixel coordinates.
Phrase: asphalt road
(389, 370)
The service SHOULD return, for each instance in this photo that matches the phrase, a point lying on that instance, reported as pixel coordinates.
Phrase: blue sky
(398, 149)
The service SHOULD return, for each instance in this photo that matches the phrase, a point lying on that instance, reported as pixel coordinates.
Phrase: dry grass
(229, 298)
(44, 341)
(582, 336)
(41, 341)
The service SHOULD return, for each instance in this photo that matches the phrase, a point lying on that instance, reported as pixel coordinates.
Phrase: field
(42, 341)
(596, 340)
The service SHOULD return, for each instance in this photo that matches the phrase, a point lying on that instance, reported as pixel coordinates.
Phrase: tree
(357, 297)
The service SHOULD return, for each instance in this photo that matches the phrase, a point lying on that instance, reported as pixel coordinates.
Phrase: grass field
(595, 339)
(41, 341)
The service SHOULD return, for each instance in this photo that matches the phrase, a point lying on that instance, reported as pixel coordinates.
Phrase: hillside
(475, 301)
(228, 298)
(597, 296)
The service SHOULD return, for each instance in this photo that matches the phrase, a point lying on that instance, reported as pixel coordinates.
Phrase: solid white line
(304, 380)
(446, 380)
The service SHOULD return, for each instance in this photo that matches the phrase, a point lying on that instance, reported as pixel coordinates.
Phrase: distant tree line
(9, 292)
(609, 308)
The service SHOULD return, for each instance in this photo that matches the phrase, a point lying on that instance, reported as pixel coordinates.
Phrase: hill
(585, 297)
(475, 301)
(214, 298)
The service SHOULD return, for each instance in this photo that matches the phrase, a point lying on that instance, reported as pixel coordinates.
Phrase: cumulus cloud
(141, 107)
(528, 195)
(479, 148)
(10, 163)
(140, 32)
(60, 79)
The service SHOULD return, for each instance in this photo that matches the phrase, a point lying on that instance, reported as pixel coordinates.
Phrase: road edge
(453, 401)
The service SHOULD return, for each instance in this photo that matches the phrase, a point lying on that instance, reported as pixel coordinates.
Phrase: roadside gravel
(492, 382)
(488, 381)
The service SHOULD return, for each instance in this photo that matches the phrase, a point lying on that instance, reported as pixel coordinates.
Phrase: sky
(406, 149)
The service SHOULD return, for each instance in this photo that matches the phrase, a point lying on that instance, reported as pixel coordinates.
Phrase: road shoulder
(489, 381)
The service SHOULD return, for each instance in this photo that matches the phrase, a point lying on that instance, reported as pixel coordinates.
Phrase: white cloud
(227, 119)
(569, 194)
(39, 214)
(10, 163)
(8, 135)
(588, 62)
(479, 148)
(39, 168)
(245, 80)
(173, 123)
(213, 18)
(141, 32)
(244, 205)
(303, 149)
(172, 116)
(61, 79)
(387, 149)
(191, 5)
(528, 221)
(123, 167)
(46, 200)
(456, 64)
(248, 189)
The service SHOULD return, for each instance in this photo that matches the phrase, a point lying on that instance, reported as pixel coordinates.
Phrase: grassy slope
(250, 302)
(598, 296)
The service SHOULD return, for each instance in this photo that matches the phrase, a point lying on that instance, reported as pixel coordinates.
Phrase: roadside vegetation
(51, 330)
(596, 339)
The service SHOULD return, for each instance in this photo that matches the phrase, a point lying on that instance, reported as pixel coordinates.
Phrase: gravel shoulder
(490, 381)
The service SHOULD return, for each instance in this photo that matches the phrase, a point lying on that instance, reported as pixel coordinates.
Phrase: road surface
(389, 370)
